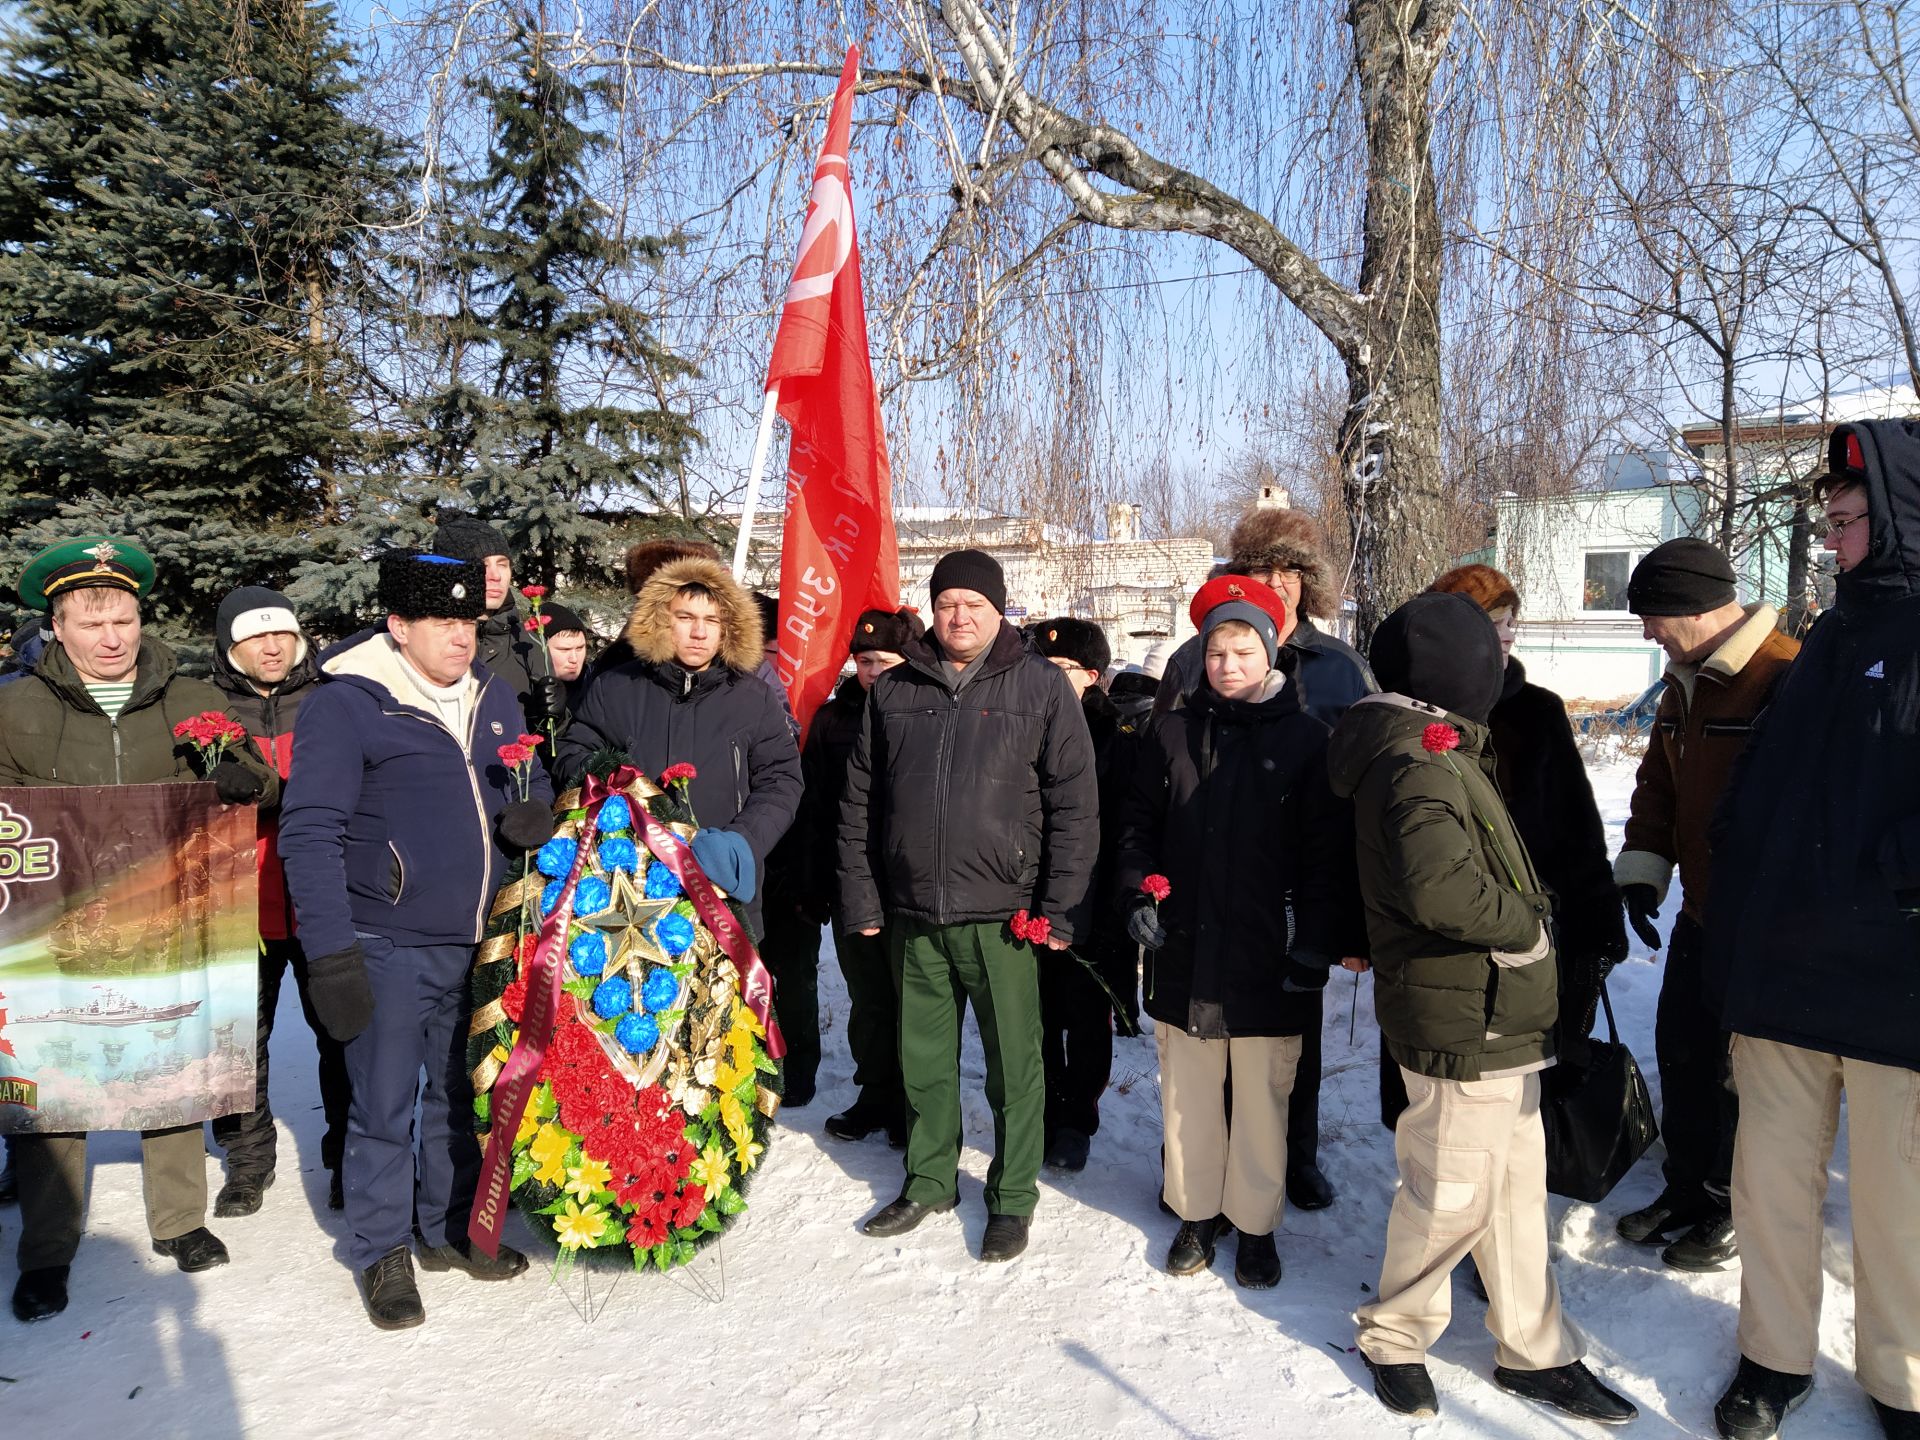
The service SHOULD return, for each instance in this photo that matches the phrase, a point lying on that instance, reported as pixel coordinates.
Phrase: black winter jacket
(1812, 933)
(970, 805)
(1230, 802)
(508, 651)
(1329, 673)
(812, 846)
(727, 724)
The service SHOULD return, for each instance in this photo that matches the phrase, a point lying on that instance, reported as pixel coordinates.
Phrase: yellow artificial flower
(529, 1123)
(745, 1018)
(750, 1151)
(735, 1119)
(549, 1150)
(727, 1077)
(579, 1227)
(586, 1177)
(710, 1170)
(740, 1044)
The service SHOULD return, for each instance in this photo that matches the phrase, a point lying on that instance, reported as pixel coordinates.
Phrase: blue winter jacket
(388, 825)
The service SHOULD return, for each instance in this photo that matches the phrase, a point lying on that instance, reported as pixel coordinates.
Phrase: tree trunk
(1799, 560)
(1730, 475)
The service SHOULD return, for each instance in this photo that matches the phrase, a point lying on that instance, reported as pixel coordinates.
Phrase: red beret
(1236, 589)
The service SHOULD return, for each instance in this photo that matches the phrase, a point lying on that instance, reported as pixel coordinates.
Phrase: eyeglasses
(1822, 529)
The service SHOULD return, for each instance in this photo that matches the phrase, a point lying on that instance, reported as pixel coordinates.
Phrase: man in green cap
(98, 708)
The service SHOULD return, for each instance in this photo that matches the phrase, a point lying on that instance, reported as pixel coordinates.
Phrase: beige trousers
(1213, 1168)
(1789, 1116)
(52, 1172)
(1473, 1181)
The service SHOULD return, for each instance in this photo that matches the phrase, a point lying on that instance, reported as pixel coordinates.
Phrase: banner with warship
(128, 957)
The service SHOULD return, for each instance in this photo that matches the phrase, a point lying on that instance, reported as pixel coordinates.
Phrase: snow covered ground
(800, 1325)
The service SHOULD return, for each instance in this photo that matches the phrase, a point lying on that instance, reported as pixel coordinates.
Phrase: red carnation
(536, 623)
(1019, 925)
(1038, 929)
(533, 741)
(673, 774)
(513, 999)
(534, 592)
(1438, 738)
(515, 755)
(1156, 886)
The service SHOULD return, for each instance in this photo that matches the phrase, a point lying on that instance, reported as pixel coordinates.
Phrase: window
(1606, 580)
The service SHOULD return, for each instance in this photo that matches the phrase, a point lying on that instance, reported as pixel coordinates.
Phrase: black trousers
(1698, 1108)
(249, 1138)
(1076, 1043)
(873, 1019)
(1303, 1106)
(791, 950)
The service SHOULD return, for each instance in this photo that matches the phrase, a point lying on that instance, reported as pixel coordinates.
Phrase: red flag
(839, 555)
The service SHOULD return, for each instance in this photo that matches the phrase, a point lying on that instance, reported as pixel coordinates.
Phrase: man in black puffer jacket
(692, 698)
(971, 798)
(1812, 933)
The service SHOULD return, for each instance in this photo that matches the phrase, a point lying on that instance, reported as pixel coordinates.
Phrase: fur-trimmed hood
(650, 627)
(1275, 538)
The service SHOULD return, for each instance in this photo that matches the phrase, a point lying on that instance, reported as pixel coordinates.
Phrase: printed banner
(129, 969)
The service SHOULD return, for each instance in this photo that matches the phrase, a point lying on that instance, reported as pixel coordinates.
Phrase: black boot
(1711, 1245)
(40, 1294)
(1674, 1213)
(1068, 1150)
(336, 1190)
(470, 1261)
(1256, 1264)
(862, 1118)
(1899, 1424)
(1571, 1389)
(1758, 1400)
(902, 1215)
(1308, 1188)
(194, 1251)
(243, 1194)
(1404, 1389)
(1006, 1237)
(1192, 1249)
(393, 1300)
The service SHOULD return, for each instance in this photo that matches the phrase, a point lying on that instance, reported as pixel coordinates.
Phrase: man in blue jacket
(395, 834)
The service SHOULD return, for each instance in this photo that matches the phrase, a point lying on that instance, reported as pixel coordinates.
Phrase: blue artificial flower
(615, 815)
(613, 997)
(661, 990)
(619, 853)
(674, 932)
(661, 883)
(556, 856)
(550, 896)
(637, 1034)
(592, 896)
(588, 952)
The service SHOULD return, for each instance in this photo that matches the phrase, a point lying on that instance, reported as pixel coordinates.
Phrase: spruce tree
(182, 196)
(539, 344)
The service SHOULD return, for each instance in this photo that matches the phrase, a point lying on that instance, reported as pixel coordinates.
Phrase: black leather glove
(1305, 972)
(1143, 924)
(547, 701)
(236, 783)
(1611, 952)
(525, 825)
(342, 999)
(1643, 905)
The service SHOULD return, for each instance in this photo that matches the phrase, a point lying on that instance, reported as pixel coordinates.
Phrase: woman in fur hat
(690, 696)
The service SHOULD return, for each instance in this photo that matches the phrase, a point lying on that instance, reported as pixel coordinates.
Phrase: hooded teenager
(264, 666)
(1230, 804)
(1467, 995)
(691, 697)
(1813, 957)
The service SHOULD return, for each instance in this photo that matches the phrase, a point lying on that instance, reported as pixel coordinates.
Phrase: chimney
(1273, 497)
(1123, 521)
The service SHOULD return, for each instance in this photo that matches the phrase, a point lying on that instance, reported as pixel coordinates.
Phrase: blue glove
(727, 860)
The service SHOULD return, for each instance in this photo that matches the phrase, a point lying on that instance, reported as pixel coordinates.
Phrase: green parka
(52, 732)
(1465, 984)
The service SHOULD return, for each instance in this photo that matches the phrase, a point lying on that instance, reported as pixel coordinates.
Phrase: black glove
(236, 783)
(337, 986)
(525, 825)
(1305, 973)
(1611, 952)
(1643, 905)
(1143, 924)
(547, 702)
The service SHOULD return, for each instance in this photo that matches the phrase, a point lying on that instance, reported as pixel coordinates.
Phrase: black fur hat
(420, 585)
(888, 630)
(1080, 641)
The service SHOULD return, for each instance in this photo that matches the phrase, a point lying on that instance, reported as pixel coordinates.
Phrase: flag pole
(756, 467)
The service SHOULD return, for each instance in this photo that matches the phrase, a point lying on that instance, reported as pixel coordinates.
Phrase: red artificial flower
(692, 1201)
(534, 592)
(1019, 925)
(673, 774)
(1038, 929)
(529, 943)
(513, 999)
(1156, 886)
(648, 1229)
(1439, 737)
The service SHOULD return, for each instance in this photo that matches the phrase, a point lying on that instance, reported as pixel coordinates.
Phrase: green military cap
(83, 563)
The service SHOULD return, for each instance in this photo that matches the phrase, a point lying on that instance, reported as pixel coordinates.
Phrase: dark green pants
(942, 968)
(873, 1018)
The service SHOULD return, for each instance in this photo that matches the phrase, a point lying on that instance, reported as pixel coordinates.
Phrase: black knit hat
(1080, 641)
(467, 537)
(420, 585)
(561, 619)
(769, 609)
(1440, 648)
(1682, 577)
(973, 570)
(888, 630)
